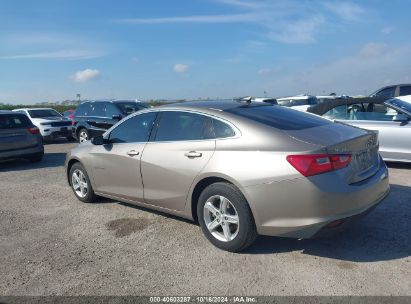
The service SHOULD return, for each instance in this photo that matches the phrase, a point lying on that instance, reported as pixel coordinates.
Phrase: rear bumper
(22, 153)
(54, 132)
(302, 207)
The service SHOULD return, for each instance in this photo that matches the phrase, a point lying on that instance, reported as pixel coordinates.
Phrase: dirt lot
(51, 244)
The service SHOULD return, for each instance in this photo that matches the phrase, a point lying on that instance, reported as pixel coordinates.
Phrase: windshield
(43, 113)
(130, 107)
(400, 104)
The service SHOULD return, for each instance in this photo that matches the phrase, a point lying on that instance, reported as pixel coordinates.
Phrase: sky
(154, 49)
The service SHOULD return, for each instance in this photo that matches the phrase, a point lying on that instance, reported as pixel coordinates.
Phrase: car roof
(214, 107)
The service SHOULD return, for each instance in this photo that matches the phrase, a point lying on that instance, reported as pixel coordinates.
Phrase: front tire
(80, 184)
(225, 217)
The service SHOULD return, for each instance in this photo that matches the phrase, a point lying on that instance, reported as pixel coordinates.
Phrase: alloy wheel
(79, 183)
(83, 136)
(221, 218)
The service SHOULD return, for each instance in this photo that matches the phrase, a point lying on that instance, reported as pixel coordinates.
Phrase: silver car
(390, 118)
(239, 169)
(19, 138)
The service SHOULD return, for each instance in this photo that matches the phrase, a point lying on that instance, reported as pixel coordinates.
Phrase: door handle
(193, 154)
(133, 153)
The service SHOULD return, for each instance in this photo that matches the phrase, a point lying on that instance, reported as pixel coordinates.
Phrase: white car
(300, 102)
(50, 122)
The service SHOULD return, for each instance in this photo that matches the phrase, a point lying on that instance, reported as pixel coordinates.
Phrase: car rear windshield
(14, 122)
(130, 107)
(43, 113)
(279, 117)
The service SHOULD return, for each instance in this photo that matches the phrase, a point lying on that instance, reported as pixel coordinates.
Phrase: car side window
(222, 130)
(134, 129)
(175, 126)
(371, 111)
(339, 112)
(98, 109)
(386, 93)
(111, 110)
(405, 90)
(83, 109)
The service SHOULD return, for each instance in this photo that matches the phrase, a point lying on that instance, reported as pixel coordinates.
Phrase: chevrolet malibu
(237, 168)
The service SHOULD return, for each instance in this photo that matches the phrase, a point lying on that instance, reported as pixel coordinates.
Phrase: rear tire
(80, 184)
(83, 135)
(226, 218)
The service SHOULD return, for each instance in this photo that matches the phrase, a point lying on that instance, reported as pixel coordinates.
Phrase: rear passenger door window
(98, 109)
(83, 110)
(179, 126)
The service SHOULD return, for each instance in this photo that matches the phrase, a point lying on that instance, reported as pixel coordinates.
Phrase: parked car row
(238, 168)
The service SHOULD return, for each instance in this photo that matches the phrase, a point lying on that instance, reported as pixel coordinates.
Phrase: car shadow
(383, 235)
(49, 160)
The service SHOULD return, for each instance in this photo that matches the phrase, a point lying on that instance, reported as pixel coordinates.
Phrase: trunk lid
(339, 138)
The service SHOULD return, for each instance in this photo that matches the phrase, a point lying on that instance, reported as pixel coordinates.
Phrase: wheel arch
(70, 164)
(203, 183)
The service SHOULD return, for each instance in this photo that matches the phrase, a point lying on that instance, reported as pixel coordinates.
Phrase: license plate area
(365, 159)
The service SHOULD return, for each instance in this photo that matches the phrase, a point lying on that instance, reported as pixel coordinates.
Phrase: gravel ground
(52, 244)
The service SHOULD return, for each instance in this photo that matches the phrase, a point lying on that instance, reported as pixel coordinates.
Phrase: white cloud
(386, 30)
(232, 18)
(264, 71)
(301, 31)
(345, 10)
(180, 68)
(85, 75)
(243, 4)
(62, 54)
(355, 74)
(283, 21)
(373, 49)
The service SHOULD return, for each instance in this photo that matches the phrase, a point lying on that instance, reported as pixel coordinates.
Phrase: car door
(393, 135)
(95, 119)
(180, 149)
(116, 164)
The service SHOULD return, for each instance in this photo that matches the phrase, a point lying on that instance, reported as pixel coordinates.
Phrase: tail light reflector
(313, 164)
(34, 130)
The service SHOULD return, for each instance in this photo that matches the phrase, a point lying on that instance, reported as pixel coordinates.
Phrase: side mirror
(98, 140)
(117, 116)
(400, 117)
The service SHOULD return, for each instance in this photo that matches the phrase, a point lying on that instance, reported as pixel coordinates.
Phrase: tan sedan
(240, 169)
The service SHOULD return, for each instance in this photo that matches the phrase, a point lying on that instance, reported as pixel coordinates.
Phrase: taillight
(34, 130)
(313, 164)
